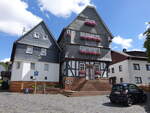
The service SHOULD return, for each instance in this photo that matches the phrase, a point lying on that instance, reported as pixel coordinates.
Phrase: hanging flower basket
(82, 72)
(90, 38)
(89, 53)
(91, 23)
(97, 72)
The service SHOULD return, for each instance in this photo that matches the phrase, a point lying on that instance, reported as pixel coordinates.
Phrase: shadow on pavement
(147, 104)
(109, 104)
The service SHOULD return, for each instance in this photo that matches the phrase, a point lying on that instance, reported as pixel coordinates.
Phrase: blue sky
(126, 19)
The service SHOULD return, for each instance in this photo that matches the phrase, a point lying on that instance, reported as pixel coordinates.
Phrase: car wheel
(112, 101)
(129, 101)
(144, 98)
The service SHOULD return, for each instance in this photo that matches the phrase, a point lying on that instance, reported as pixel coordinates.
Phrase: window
(120, 68)
(45, 78)
(108, 70)
(136, 66)
(17, 65)
(148, 67)
(32, 66)
(45, 37)
(82, 66)
(112, 70)
(117, 88)
(29, 50)
(43, 52)
(68, 31)
(149, 80)
(133, 88)
(97, 67)
(46, 66)
(121, 80)
(138, 80)
(36, 35)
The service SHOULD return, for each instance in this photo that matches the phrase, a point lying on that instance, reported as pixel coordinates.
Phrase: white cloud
(141, 36)
(14, 16)
(63, 8)
(5, 60)
(137, 50)
(114, 47)
(147, 25)
(125, 43)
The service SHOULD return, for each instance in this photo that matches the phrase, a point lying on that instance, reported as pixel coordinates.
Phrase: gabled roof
(18, 41)
(133, 55)
(100, 19)
(43, 23)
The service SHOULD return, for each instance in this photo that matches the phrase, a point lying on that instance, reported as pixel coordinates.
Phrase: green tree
(5, 65)
(147, 43)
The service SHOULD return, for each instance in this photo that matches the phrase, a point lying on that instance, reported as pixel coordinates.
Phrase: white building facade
(35, 57)
(130, 67)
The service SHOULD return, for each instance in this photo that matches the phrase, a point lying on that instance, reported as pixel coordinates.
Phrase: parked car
(127, 94)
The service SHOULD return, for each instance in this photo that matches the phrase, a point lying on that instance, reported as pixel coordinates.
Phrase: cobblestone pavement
(38, 103)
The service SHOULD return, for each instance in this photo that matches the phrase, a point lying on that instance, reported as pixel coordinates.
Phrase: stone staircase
(90, 88)
(96, 85)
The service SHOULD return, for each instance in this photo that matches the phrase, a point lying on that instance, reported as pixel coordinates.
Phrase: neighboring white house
(129, 67)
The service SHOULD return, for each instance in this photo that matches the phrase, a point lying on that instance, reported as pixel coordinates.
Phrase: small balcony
(90, 38)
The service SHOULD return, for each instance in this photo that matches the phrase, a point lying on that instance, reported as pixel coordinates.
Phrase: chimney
(124, 50)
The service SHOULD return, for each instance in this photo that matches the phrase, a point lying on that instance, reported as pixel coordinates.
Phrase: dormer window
(109, 39)
(68, 33)
(29, 50)
(36, 35)
(45, 37)
(43, 52)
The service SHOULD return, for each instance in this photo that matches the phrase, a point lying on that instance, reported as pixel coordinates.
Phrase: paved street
(38, 103)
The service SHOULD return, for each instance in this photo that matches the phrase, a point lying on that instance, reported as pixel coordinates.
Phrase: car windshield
(118, 88)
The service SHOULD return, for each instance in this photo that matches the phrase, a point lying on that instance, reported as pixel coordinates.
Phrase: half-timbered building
(85, 48)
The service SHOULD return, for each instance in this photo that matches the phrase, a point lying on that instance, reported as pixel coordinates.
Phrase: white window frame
(29, 50)
(45, 37)
(32, 66)
(81, 66)
(112, 70)
(18, 64)
(97, 67)
(120, 68)
(136, 66)
(43, 52)
(138, 80)
(36, 35)
(148, 67)
(46, 67)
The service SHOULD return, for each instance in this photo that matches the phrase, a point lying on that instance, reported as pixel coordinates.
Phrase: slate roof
(99, 17)
(38, 44)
